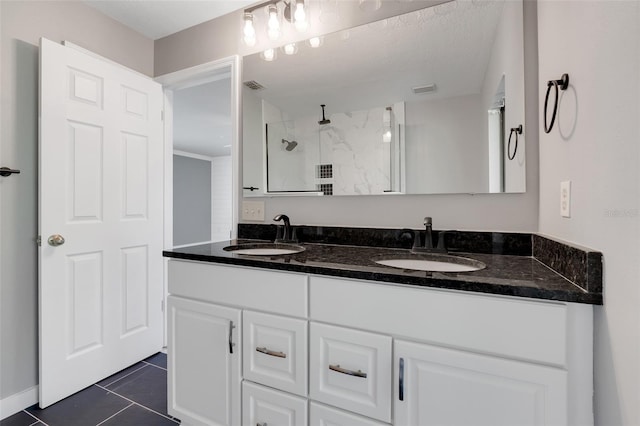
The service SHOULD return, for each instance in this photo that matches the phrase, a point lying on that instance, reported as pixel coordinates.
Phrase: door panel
(101, 174)
(439, 386)
(204, 362)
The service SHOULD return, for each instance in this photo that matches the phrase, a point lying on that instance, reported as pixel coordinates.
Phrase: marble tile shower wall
(352, 143)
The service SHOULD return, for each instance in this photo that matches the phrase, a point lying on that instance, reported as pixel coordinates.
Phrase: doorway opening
(202, 109)
(202, 136)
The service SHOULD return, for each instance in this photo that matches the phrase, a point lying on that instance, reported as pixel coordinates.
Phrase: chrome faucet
(287, 237)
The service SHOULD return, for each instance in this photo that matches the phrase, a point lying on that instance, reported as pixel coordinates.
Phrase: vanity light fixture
(293, 11)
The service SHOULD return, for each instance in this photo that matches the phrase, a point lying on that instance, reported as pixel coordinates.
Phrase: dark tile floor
(136, 396)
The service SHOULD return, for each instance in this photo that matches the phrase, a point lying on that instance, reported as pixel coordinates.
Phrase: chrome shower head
(290, 145)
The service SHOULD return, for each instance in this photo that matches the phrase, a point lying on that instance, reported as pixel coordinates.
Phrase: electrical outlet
(565, 198)
(253, 211)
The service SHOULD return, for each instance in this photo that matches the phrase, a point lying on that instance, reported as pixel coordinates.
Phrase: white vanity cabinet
(318, 350)
(204, 362)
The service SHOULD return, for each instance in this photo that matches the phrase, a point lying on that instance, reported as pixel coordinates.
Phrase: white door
(101, 177)
(438, 386)
(204, 351)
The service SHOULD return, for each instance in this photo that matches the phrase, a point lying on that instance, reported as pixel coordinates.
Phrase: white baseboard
(18, 402)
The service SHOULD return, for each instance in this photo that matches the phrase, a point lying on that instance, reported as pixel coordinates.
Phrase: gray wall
(22, 24)
(191, 200)
(596, 145)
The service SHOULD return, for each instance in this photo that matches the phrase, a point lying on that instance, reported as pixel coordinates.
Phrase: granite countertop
(522, 276)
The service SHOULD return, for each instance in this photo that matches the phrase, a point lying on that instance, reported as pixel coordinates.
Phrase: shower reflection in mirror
(339, 153)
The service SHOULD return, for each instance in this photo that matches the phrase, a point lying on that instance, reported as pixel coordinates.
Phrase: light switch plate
(565, 198)
(253, 211)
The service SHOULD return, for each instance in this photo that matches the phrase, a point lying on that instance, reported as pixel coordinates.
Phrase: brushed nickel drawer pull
(271, 353)
(358, 373)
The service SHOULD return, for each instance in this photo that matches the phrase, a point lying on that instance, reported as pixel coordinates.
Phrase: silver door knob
(55, 240)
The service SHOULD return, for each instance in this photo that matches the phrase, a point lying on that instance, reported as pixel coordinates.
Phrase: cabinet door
(263, 406)
(204, 352)
(351, 369)
(275, 351)
(437, 386)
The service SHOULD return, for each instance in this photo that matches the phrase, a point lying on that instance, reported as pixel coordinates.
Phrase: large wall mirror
(420, 103)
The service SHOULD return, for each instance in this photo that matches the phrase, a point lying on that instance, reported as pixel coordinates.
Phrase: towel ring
(563, 83)
(517, 131)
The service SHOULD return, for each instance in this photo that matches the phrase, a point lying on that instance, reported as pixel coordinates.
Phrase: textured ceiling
(202, 119)
(160, 18)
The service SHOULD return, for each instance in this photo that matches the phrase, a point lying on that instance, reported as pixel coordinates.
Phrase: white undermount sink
(264, 249)
(434, 263)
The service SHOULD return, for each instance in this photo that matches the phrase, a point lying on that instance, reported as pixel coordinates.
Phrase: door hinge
(39, 240)
(161, 115)
(162, 306)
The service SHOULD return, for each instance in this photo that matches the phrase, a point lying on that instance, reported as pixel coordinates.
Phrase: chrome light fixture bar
(293, 11)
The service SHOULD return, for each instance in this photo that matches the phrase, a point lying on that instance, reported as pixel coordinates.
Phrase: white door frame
(192, 77)
(189, 77)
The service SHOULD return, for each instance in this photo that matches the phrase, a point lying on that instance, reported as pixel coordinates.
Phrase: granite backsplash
(580, 265)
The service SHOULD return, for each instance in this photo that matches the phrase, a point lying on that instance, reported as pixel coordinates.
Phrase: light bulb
(300, 16)
(248, 30)
(269, 55)
(386, 136)
(273, 23)
(315, 42)
(290, 48)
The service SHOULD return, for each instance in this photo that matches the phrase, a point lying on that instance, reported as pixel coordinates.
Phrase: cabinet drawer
(350, 369)
(321, 415)
(275, 351)
(514, 328)
(252, 288)
(264, 406)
